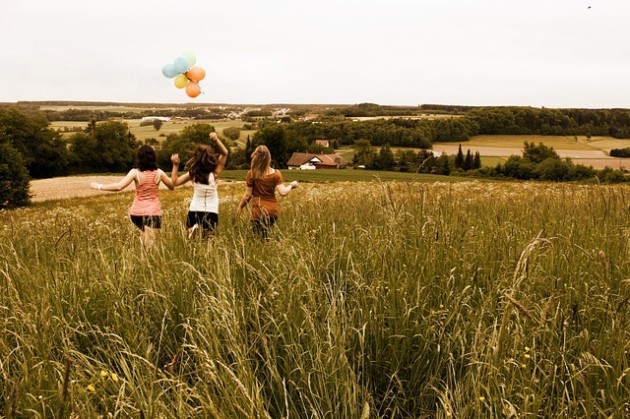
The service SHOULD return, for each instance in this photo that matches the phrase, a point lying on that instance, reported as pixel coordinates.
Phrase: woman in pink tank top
(145, 211)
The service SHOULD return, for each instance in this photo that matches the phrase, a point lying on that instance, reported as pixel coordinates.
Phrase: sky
(540, 53)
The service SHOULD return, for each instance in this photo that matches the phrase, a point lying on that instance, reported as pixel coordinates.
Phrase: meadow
(372, 300)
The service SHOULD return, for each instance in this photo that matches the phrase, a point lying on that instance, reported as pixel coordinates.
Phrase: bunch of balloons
(185, 74)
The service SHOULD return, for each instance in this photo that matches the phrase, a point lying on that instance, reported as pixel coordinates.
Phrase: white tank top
(205, 197)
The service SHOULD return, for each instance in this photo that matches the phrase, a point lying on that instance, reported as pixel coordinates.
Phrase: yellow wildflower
(104, 373)
(114, 377)
(91, 388)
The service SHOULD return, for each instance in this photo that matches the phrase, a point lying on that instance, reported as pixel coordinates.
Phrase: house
(310, 161)
(323, 143)
(153, 118)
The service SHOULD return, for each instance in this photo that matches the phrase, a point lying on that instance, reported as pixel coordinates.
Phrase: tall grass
(371, 300)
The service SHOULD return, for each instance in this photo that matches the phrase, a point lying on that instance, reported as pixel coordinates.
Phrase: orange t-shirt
(264, 194)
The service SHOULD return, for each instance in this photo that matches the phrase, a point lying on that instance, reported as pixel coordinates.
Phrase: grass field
(372, 300)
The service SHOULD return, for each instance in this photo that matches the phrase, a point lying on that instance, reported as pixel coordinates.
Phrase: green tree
(14, 178)
(108, 146)
(280, 142)
(443, 165)
(384, 160)
(157, 124)
(477, 161)
(198, 133)
(233, 133)
(468, 161)
(459, 158)
(184, 143)
(364, 154)
(43, 150)
(537, 153)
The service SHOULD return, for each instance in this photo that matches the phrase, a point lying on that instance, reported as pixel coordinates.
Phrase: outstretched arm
(284, 190)
(118, 186)
(223, 153)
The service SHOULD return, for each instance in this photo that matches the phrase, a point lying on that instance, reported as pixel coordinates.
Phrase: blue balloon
(190, 57)
(180, 64)
(170, 71)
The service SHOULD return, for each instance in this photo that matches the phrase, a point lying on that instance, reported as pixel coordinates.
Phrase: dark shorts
(142, 221)
(262, 226)
(205, 220)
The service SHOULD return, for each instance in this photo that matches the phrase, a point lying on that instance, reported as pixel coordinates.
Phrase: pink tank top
(146, 201)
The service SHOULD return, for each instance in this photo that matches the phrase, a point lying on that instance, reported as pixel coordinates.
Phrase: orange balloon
(196, 74)
(193, 89)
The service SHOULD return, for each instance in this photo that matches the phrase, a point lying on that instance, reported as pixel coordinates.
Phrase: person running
(145, 211)
(262, 183)
(204, 168)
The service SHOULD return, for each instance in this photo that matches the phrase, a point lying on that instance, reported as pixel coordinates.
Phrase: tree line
(30, 148)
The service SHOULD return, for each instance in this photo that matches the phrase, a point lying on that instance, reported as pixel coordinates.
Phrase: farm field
(589, 152)
(78, 186)
(372, 299)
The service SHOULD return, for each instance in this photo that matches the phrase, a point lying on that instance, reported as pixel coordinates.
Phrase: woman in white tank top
(204, 168)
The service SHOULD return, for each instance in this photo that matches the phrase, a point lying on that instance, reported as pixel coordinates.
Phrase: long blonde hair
(261, 161)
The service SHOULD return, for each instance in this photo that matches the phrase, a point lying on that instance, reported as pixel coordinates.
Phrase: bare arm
(182, 179)
(118, 186)
(223, 153)
(284, 190)
(167, 180)
(175, 178)
(247, 196)
(175, 160)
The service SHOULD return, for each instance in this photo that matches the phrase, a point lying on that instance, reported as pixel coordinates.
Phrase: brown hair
(261, 160)
(146, 159)
(201, 164)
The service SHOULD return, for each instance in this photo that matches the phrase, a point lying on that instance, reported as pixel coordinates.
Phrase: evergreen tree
(477, 161)
(468, 161)
(459, 158)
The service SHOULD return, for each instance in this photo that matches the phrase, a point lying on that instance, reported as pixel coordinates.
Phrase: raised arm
(118, 186)
(223, 153)
(175, 178)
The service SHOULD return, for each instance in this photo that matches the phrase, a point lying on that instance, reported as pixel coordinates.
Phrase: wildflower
(104, 373)
(91, 388)
(114, 377)
(528, 356)
(481, 398)
(527, 348)
(523, 366)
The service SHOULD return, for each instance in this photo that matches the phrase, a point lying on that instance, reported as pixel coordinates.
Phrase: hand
(175, 159)
(294, 184)
(94, 185)
(213, 136)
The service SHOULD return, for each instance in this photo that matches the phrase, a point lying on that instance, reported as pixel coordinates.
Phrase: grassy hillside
(381, 299)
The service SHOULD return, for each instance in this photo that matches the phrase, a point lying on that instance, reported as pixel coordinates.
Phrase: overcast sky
(552, 53)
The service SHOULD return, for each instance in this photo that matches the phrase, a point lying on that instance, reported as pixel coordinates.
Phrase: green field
(349, 175)
(558, 142)
(372, 300)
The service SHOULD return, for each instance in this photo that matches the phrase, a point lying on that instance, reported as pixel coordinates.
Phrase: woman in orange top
(146, 211)
(262, 183)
